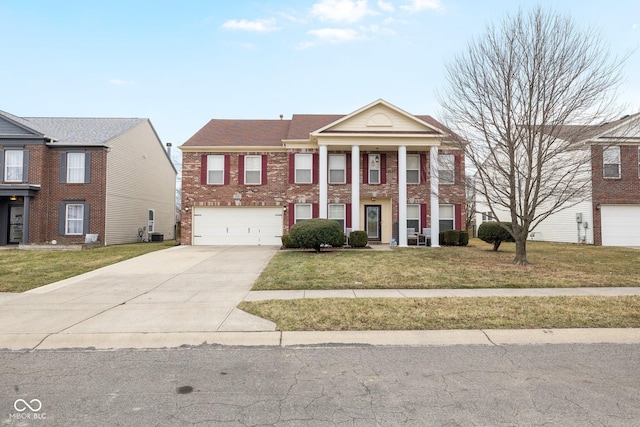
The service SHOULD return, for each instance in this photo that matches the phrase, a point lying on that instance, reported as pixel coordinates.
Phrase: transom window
(75, 167)
(253, 169)
(304, 168)
(413, 168)
(302, 211)
(74, 219)
(13, 162)
(336, 213)
(446, 169)
(215, 169)
(413, 217)
(337, 168)
(374, 168)
(446, 217)
(611, 162)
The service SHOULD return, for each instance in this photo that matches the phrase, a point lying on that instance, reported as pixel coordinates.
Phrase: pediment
(11, 128)
(379, 117)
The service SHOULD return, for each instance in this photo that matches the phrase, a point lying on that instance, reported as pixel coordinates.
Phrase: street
(481, 385)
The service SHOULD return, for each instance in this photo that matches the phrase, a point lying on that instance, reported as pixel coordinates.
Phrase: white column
(435, 204)
(324, 162)
(402, 196)
(355, 188)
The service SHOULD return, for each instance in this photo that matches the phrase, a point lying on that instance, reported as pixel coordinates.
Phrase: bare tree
(510, 95)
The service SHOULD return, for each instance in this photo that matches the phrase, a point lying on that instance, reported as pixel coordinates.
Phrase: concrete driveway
(177, 296)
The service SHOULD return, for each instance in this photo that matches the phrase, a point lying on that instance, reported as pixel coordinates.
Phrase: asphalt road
(568, 385)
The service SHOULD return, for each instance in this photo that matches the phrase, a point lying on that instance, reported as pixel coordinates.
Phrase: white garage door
(237, 226)
(620, 225)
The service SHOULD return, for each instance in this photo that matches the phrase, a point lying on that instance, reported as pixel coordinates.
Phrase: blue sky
(183, 63)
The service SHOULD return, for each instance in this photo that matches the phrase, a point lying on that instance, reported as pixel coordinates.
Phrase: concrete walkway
(187, 295)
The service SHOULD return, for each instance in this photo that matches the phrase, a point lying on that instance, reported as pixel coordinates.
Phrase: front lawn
(475, 266)
(21, 270)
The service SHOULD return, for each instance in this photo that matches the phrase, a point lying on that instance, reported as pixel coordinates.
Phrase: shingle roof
(579, 133)
(303, 124)
(80, 130)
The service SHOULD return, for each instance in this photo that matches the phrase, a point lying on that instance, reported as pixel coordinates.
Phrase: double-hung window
(75, 167)
(302, 211)
(74, 219)
(151, 220)
(336, 213)
(253, 170)
(304, 168)
(413, 169)
(413, 217)
(13, 165)
(487, 216)
(374, 168)
(446, 217)
(611, 162)
(215, 169)
(446, 169)
(337, 168)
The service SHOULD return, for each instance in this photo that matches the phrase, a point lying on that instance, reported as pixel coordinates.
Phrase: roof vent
(281, 116)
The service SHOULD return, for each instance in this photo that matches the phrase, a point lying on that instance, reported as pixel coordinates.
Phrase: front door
(16, 222)
(372, 221)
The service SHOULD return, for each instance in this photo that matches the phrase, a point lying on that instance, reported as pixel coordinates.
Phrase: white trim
(324, 185)
(355, 187)
(435, 205)
(402, 196)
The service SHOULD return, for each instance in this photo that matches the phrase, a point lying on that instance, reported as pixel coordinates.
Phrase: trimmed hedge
(317, 233)
(358, 239)
(495, 233)
(451, 237)
(464, 238)
(288, 242)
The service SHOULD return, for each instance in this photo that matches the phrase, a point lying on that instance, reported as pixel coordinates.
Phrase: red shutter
(316, 168)
(423, 216)
(383, 168)
(316, 210)
(291, 210)
(348, 180)
(227, 171)
(241, 169)
(348, 215)
(365, 168)
(423, 168)
(264, 169)
(292, 168)
(459, 222)
(203, 169)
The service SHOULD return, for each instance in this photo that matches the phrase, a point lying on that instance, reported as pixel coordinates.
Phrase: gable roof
(76, 131)
(590, 133)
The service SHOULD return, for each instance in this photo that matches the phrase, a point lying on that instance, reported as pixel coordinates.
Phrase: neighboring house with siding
(610, 216)
(64, 178)
(378, 169)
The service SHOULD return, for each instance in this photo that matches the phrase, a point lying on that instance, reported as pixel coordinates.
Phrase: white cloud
(121, 82)
(387, 7)
(420, 5)
(377, 30)
(259, 25)
(335, 35)
(341, 10)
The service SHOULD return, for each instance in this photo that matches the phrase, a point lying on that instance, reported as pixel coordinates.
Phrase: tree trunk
(521, 250)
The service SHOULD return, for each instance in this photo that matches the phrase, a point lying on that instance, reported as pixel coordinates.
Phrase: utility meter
(579, 217)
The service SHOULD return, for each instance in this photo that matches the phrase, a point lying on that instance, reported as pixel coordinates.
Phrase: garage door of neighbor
(620, 225)
(237, 226)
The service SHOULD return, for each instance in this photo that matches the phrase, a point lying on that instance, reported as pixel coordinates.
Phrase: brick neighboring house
(64, 178)
(246, 182)
(611, 215)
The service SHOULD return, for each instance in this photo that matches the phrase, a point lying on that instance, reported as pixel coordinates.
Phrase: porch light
(13, 198)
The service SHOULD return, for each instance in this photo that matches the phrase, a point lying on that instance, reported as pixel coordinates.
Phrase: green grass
(21, 270)
(475, 266)
(449, 313)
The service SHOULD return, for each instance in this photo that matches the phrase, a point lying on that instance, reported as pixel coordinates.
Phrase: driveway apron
(178, 290)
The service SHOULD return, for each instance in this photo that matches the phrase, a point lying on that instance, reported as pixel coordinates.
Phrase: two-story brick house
(65, 178)
(248, 181)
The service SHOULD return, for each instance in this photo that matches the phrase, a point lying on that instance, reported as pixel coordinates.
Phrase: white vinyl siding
(75, 168)
(446, 169)
(304, 168)
(336, 213)
(374, 168)
(337, 168)
(253, 170)
(13, 164)
(611, 162)
(413, 169)
(215, 169)
(74, 219)
(303, 211)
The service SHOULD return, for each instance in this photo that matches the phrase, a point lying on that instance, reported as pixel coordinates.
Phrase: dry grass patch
(475, 266)
(23, 270)
(449, 313)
